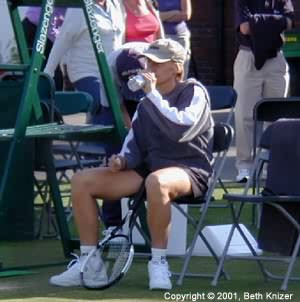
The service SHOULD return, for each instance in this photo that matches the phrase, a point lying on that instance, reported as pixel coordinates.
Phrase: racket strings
(120, 262)
(115, 254)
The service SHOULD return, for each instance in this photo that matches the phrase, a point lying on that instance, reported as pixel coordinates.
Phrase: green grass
(245, 276)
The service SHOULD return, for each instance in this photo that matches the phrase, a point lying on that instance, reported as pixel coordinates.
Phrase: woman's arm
(242, 17)
(172, 121)
(126, 117)
(193, 100)
(184, 117)
(132, 149)
(167, 15)
(161, 33)
(178, 15)
(64, 41)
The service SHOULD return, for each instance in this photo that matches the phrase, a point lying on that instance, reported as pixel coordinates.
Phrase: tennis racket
(115, 250)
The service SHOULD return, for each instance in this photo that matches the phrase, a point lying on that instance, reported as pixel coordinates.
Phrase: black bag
(276, 233)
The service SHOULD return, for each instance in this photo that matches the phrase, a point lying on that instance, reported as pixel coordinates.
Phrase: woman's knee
(155, 183)
(79, 180)
(85, 181)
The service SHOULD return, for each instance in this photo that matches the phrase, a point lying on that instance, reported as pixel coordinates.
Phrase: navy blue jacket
(246, 9)
(159, 123)
(267, 20)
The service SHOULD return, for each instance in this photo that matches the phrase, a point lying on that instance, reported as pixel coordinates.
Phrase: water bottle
(136, 82)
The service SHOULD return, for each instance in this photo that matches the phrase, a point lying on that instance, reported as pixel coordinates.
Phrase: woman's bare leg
(89, 184)
(162, 186)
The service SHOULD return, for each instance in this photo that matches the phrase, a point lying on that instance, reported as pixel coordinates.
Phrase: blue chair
(222, 97)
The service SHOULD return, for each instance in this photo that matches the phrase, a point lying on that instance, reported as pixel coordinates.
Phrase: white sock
(159, 255)
(85, 249)
(95, 260)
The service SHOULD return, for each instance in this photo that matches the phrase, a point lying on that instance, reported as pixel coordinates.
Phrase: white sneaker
(71, 277)
(243, 175)
(159, 275)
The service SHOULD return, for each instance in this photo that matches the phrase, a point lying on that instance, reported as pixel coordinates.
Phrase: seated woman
(151, 152)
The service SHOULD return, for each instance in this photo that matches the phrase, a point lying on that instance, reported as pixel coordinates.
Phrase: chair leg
(57, 201)
(295, 252)
(188, 255)
(236, 216)
(192, 221)
(259, 262)
(46, 218)
(41, 189)
(186, 261)
(50, 220)
(284, 284)
(223, 257)
(221, 183)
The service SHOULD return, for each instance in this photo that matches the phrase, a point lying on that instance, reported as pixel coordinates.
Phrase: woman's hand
(245, 28)
(116, 163)
(150, 81)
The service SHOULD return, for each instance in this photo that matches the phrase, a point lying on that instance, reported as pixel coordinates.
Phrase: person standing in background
(142, 21)
(260, 69)
(74, 39)
(174, 14)
(83, 71)
(30, 24)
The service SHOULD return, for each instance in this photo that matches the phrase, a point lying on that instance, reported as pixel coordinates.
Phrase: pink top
(143, 28)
